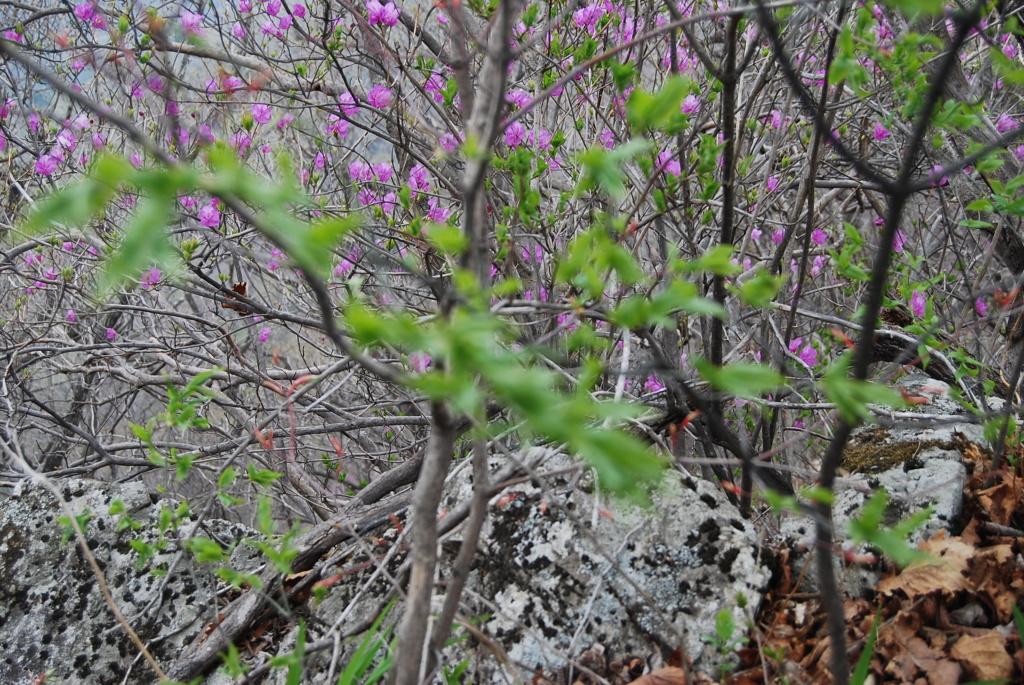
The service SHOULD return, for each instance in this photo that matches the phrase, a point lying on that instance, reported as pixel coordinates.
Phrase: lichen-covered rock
(560, 570)
(918, 466)
(53, 617)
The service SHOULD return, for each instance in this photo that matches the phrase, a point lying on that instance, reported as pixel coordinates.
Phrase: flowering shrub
(540, 214)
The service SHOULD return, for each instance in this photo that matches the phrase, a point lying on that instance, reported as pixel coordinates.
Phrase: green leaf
(646, 111)
(77, 202)
(205, 550)
(852, 396)
(892, 542)
(623, 463)
(760, 289)
(262, 477)
(860, 673)
(145, 243)
(741, 379)
(227, 478)
(447, 239)
(602, 167)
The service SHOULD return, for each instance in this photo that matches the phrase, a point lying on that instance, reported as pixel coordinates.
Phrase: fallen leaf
(984, 657)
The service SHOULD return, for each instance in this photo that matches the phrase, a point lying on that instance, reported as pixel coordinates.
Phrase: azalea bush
(327, 239)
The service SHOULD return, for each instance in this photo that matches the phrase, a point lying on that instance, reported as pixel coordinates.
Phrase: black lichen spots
(737, 524)
(726, 560)
(709, 500)
(689, 484)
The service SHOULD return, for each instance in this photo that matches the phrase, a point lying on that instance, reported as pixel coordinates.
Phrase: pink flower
(209, 216)
(261, 113)
(319, 162)
(84, 10)
(336, 125)
(67, 140)
(347, 104)
(382, 14)
(419, 361)
(150, 278)
(690, 104)
(436, 85)
(819, 237)
(980, 307)
(70, 316)
(809, 356)
(917, 303)
(652, 384)
(772, 184)
(449, 143)
(607, 138)
(898, 241)
(299, 11)
(436, 213)
(778, 236)
(136, 160)
(515, 134)
(587, 17)
(936, 177)
(755, 234)
(881, 132)
(191, 24)
(238, 31)
(111, 334)
(264, 334)
(273, 7)
(776, 119)
(668, 163)
(383, 171)
(418, 180)
(360, 171)
(794, 344)
(46, 165)
(1005, 123)
(819, 264)
(379, 97)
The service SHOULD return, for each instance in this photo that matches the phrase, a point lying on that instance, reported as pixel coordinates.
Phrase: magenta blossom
(690, 104)
(772, 184)
(809, 356)
(819, 237)
(917, 303)
(261, 113)
(652, 384)
(264, 334)
(46, 165)
(150, 279)
(347, 104)
(515, 134)
(209, 216)
(881, 132)
(899, 241)
(379, 97)
(981, 307)
(191, 24)
(111, 334)
(70, 316)
(1005, 123)
(382, 14)
(85, 10)
(419, 361)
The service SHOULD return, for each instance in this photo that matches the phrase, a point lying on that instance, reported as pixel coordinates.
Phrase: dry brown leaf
(1002, 500)
(663, 676)
(942, 573)
(946, 672)
(983, 657)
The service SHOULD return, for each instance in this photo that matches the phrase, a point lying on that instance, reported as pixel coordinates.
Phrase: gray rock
(918, 465)
(53, 617)
(560, 570)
